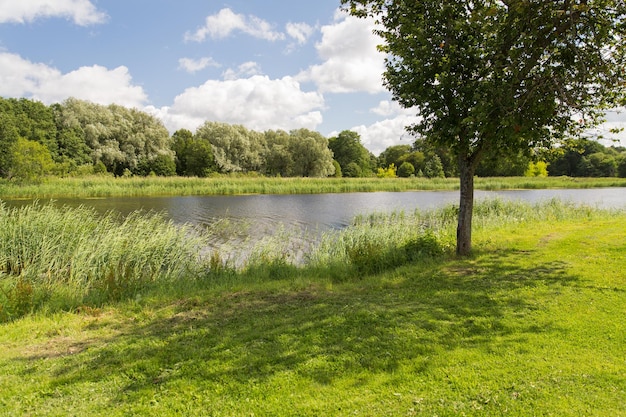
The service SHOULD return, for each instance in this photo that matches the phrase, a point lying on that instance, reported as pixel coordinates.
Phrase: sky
(265, 64)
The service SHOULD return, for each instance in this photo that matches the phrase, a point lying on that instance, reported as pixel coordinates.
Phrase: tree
(406, 170)
(194, 156)
(235, 148)
(507, 165)
(31, 160)
(311, 155)
(598, 164)
(122, 139)
(278, 158)
(500, 74)
(348, 149)
(392, 155)
(8, 137)
(433, 168)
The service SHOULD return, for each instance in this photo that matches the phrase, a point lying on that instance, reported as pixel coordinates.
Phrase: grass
(60, 258)
(105, 186)
(532, 324)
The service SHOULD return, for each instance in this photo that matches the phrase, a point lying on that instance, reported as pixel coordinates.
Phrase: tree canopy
(500, 76)
(353, 158)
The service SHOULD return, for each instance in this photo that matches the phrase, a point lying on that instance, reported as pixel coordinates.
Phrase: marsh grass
(531, 324)
(106, 186)
(60, 258)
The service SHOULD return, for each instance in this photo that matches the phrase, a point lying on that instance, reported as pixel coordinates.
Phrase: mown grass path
(532, 324)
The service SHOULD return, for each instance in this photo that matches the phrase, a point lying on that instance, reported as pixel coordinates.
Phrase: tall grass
(377, 242)
(60, 258)
(105, 186)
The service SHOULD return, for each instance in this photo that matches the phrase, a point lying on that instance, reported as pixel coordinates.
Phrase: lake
(320, 212)
(238, 223)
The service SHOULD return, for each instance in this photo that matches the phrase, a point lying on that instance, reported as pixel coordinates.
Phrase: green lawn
(533, 324)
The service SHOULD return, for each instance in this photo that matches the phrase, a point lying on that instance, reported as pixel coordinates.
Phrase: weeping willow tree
(496, 77)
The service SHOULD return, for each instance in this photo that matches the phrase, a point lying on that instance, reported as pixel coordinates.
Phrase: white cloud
(194, 65)
(388, 132)
(245, 70)
(257, 102)
(385, 133)
(22, 78)
(81, 12)
(351, 61)
(301, 32)
(388, 108)
(225, 22)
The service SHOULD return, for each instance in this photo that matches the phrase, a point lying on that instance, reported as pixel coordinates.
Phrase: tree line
(78, 137)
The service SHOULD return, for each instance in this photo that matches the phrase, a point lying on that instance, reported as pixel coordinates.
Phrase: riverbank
(106, 186)
(383, 321)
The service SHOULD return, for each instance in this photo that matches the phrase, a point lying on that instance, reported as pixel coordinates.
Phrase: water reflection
(320, 212)
(237, 224)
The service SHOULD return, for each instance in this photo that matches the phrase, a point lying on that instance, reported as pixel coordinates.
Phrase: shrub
(406, 170)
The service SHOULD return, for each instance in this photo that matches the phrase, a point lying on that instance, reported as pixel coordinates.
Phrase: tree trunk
(466, 207)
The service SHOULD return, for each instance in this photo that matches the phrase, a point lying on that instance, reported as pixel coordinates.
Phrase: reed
(61, 258)
(106, 186)
(55, 258)
(379, 241)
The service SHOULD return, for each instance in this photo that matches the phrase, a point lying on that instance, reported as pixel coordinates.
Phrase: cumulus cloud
(351, 62)
(81, 12)
(225, 22)
(380, 135)
(257, 102)
(385, 133)
(245, 70)
(301, 32)
(22, 78)
(615, 119)
(194, 65)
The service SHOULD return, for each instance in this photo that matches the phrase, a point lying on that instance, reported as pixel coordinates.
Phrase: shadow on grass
(405, 320)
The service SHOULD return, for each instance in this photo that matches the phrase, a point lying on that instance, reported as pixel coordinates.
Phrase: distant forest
(82, 138)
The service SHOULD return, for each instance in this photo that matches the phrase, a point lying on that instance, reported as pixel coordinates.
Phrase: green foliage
(235, 148)
(389, 172)
(352, 170)
(338, 173)
(8, 137)
(406, 169)
(120, 138)
(537, 169)
(349, 151)
(392, 155)
(433, 168)
(310, 153)
(30, 161)
(99, 168)
(586, 158)
(505, 76)
(278, 157)
(163, 165)
(597, 164)
(507, 164)
(194, 156)
(621, 167)
(425, 246)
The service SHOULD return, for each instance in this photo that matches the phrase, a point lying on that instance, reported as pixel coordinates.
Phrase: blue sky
(266, 64)
(270, 64)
